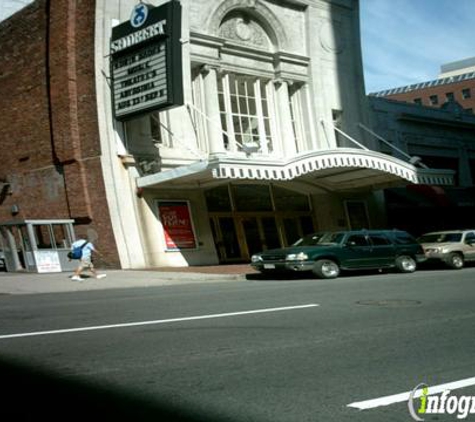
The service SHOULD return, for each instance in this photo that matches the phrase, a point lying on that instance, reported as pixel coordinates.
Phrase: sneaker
(76, 278)
(101, 276)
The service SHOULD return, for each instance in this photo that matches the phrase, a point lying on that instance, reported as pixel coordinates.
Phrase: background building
(440, 138)
(456, 83)
(433, 120)
(51, 167)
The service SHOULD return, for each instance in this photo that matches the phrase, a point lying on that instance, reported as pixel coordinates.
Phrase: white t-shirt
(86, 250)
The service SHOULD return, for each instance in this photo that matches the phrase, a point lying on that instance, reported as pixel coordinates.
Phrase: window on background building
(449, 96)
(466, 93)
(418, 101)
(434, 99)
(244, 104)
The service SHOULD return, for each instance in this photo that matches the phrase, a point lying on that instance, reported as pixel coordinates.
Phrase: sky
(8, 7)
(403, 41)
(406, 41)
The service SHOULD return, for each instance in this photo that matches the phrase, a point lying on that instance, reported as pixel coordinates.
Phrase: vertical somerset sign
(146, 61)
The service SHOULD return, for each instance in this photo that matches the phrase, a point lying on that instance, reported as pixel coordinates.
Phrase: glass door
(226, 239)
(259, 234)
(271, 233)
(252, 236)
(238, 236)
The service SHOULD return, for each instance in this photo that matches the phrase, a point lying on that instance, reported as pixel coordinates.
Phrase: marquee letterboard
(146, 63)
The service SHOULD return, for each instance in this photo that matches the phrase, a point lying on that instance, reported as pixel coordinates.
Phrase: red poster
(177, 225)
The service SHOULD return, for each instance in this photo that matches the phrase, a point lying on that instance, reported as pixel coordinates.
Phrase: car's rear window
(440, 238)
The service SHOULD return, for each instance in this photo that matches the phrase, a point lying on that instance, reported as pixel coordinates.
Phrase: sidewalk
(28, 283)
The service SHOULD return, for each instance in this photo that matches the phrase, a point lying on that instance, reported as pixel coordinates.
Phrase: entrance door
(238, 236)
(226, 239)
(252, 236)
(270, 232)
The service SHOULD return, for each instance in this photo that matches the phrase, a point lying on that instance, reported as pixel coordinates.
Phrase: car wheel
(406, 264)
(326, 268)
(455, 260)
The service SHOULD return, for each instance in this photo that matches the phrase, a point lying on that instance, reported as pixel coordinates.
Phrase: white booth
(37, 245)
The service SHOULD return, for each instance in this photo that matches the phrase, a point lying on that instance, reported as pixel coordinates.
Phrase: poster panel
(177, 225)
(47, 262)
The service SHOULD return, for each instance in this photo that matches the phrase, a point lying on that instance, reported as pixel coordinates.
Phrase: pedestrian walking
(84, 248)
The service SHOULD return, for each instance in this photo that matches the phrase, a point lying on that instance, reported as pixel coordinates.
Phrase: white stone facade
(265, 82)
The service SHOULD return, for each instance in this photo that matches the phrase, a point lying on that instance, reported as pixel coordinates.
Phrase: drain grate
(390, 303)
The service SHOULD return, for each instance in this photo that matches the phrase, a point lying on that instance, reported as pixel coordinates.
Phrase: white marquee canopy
(342, 169)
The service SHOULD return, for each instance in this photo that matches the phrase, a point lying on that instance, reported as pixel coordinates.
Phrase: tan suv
(453, 247)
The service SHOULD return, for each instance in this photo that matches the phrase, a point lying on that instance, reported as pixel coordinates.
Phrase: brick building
(265, 146)
(51, 159)
(456, 83)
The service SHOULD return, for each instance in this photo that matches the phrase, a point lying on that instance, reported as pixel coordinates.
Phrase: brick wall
(440, 91)
(49, 139)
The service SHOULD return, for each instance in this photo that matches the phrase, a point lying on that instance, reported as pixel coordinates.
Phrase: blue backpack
(76, 253)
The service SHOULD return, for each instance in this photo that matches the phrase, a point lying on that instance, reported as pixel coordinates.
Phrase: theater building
(218, 129)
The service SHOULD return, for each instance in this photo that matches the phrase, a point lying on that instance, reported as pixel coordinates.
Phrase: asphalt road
(136, 354)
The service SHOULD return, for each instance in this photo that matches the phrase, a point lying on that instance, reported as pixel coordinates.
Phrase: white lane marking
(159, 321)
(401, 397)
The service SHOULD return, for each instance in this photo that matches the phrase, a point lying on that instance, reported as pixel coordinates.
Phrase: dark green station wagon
(327, 253)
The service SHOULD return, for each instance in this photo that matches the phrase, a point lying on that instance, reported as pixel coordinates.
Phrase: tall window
(295, 104)
(244, 109)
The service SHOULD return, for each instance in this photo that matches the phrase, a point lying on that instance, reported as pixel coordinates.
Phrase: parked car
(327, 253)
(453, 247)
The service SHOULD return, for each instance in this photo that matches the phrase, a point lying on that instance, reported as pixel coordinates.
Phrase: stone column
(213, 121)
(13, 250)
(289, 148)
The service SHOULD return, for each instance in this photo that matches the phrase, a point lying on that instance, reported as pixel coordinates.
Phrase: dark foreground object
(31, 394)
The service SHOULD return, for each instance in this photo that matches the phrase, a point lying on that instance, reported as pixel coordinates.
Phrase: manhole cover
(394, 303)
